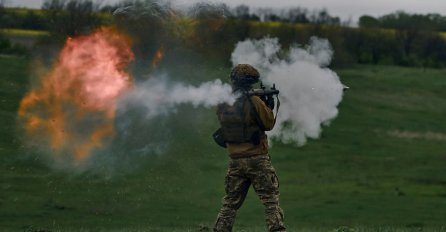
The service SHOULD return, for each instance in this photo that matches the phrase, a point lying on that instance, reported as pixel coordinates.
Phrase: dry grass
(429, 135)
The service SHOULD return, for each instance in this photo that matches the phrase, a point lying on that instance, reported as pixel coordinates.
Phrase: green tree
(298, 15)
(71, 17)
(32, 20)
(367, 21)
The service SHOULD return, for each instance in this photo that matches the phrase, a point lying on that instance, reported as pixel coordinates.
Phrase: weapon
(262, 92)
(267, 95)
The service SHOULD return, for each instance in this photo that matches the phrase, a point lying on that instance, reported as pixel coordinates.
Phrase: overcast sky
(344, 8)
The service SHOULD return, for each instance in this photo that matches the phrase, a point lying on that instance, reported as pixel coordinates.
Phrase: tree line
(395, 39)
(404, 21)
(87, 13)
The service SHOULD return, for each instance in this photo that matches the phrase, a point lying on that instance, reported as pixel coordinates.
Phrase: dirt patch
(417, 135)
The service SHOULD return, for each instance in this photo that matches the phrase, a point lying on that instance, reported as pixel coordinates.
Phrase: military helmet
(244, 75)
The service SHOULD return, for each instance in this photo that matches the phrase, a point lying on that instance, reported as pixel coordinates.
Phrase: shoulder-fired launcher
(266, 95)
(262, 92)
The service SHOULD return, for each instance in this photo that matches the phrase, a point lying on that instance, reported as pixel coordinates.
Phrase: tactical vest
(237, 122)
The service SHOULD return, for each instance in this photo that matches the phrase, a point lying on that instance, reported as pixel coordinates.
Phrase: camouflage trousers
(242, 172)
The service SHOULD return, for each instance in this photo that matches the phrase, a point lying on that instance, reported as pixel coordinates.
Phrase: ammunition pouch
(218, 138)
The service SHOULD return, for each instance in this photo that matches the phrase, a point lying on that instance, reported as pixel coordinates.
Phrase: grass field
(380, 166)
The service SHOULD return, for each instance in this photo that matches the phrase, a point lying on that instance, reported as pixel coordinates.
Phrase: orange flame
(159, 54)
(74, 106)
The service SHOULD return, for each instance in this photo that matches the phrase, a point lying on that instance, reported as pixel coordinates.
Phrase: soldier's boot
(274, 219)
(225, 220)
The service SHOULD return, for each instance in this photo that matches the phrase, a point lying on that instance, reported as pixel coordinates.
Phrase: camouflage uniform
(242, 172)
(250, 162)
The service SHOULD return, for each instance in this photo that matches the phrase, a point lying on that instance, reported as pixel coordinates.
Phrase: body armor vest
(237, 122)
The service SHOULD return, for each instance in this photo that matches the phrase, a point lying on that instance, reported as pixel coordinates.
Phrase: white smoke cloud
(159, 97)
(309, 91)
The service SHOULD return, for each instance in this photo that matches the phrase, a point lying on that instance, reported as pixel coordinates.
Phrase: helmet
(244, 75)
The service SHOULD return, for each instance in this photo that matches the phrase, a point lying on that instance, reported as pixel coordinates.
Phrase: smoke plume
(309, 91)
(159, 97)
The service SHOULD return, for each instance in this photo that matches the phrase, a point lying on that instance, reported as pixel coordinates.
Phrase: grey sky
(344, 8)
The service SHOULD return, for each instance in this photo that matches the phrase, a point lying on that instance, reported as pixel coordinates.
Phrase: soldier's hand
(270, 102)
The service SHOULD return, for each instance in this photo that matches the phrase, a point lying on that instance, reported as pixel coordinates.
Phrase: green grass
(364, 174)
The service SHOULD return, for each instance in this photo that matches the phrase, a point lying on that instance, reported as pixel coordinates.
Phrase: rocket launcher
(267, 95)
(264, 92)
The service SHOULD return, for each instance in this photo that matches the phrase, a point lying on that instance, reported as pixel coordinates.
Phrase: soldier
(243, 127)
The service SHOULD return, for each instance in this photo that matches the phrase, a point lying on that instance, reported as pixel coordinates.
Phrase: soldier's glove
(269, 101)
